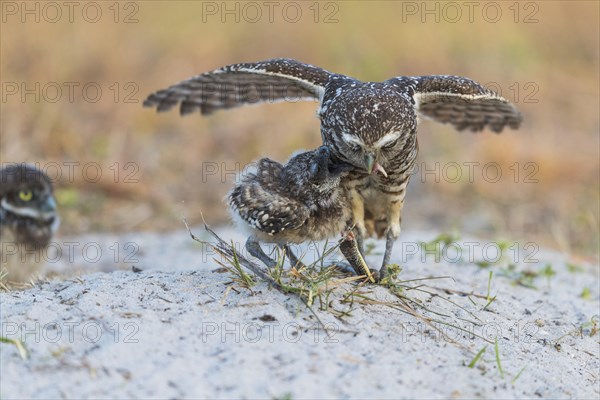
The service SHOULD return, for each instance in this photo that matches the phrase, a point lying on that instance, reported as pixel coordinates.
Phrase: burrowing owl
(28, 218)
(371, 125)
(292, 203)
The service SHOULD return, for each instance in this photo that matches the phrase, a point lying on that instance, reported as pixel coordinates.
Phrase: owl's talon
(376, 275)
(382, 273)
(253, 247)
(347, 268)
(294, 261)
(343, 267)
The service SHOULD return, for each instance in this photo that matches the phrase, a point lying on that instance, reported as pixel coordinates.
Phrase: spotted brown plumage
(242, 84)
(370, 125)
(292, 203)
(262, 202)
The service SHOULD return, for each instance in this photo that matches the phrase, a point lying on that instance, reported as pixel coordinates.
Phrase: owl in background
(28, 220)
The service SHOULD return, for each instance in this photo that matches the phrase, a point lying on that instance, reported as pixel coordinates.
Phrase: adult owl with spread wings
(371, 125)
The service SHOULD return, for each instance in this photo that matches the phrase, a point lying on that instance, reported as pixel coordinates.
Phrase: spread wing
(241, 84)
(257, 201)
(463, 103)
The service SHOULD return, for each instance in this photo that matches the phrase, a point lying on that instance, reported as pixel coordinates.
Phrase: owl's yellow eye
(25, 195)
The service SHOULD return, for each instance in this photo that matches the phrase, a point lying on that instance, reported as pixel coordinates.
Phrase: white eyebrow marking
(352, 139)
(387, 138)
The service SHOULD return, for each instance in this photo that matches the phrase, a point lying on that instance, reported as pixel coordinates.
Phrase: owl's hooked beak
(372, 166)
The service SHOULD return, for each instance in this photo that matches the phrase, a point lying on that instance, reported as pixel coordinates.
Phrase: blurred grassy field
(541, 58)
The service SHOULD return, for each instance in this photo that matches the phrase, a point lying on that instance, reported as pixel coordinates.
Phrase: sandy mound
(181, 328)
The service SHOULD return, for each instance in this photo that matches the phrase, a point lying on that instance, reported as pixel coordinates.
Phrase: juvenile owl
(28, 219)
(292, 203)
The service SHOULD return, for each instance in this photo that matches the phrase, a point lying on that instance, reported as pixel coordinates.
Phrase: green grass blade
(498, 359)
(477, 357)
(18, 344)
(518, 375)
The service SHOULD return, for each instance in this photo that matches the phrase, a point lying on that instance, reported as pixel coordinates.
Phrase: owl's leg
(389, 245)
(392, 231)
(253, 247)
(294, 261)
(358, 219)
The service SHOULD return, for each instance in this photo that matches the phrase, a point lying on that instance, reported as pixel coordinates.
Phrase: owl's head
(313, 174)
(367, 125)
(323, 173)
(27, 203)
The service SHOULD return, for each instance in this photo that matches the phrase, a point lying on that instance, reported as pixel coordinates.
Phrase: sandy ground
(180, 327)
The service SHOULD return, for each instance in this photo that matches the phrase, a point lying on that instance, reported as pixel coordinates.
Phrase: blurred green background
(544, 56)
